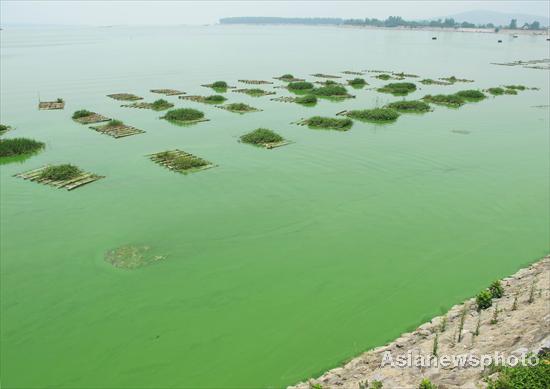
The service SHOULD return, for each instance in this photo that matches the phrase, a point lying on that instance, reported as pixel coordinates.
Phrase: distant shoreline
(503, 31)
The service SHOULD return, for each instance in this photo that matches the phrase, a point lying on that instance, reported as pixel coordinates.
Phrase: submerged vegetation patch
(184, 115)
(377, 115)
(452, 101)
(19, 146)
(398, 88)
(238, 108)
(327, 123)
(132, 257)
(64, 176)
(264, 137)
(180, 161)
(411, 106)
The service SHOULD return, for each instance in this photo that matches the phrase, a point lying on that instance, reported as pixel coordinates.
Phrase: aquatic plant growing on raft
(180, 161)
(496, 91)
(4, 128)
(398, 88)
(300, 86)
(124, 96)
(384, 77)
(429, 81)
(264, 137)
(319, 122)
(184, 115)
(81, 113)
(254, 92)
(452, 101)
(117, 129)
(306, 100)
(453, 79)
(238, 108)
(378, 115)
(161, 105)
(410, 106)
(84, 116)
(471, 95)
(357, 82)
(19, 146)
(65, 176)
(516, 87)
(288, 78)
(331, 91)
(60, 172)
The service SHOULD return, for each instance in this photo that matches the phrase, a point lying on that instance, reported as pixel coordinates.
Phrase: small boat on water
(515, 35)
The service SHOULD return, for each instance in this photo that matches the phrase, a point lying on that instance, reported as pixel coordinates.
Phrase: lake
(279, 263)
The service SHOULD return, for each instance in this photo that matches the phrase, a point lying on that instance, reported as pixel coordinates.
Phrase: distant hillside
(498, 18)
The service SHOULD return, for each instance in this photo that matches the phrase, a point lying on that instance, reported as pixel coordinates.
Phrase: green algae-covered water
(279, 263)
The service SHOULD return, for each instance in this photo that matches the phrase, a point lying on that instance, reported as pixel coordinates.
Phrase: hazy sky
(98, 12)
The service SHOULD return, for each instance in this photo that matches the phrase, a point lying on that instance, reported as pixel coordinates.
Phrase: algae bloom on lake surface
(197, 260)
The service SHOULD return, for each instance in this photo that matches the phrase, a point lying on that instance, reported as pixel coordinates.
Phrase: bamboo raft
(160, 159)
(251, 92)
(47, 105)
(215, 87)
(168, 92)
(284, 99)
(252, 109)
(255, 82)
(272, 145)
(294, 79)
(124, 96)
(353, 73)
(195, 98)
(119, 131)
(69, 184)
(453, 80)
(321, 75)
(143, 105)
(429, 81)
(93, 118)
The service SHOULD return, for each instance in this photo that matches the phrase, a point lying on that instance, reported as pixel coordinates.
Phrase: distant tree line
(392, 21)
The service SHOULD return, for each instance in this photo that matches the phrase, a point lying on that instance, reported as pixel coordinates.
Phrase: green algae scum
(190, 256)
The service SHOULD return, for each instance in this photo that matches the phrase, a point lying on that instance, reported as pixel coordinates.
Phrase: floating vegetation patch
(117, 129)
(429, 81)
(265, 138)
(48, 105)
(461, 132)
(471, 95)
(64, 176)
(180, 161)
(286, 99)
(288, 78)
(353, 73)
(238, 108)
(321, 75)
(124, 97)
(255, 82)
(300, 86)
(452, 101)
(516, 87)
(409, 106)
(402, 75)
(184, 116)
(219, 86)
(398, 88)
(132, 257)
(19, 146)
(254, 92)
(453, 79)
(212, 99)
(496, 91)
(384, 77)
(4, 128)
(168, 92)
(157, 105)
(327, 123)
(376, 115)
(332, 91)
(510, 92)
(87, 117)
(306, 100)
(543, 64)
(357, 82)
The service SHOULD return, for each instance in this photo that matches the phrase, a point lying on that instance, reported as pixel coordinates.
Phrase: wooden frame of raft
(69, 184)
(120, 131)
